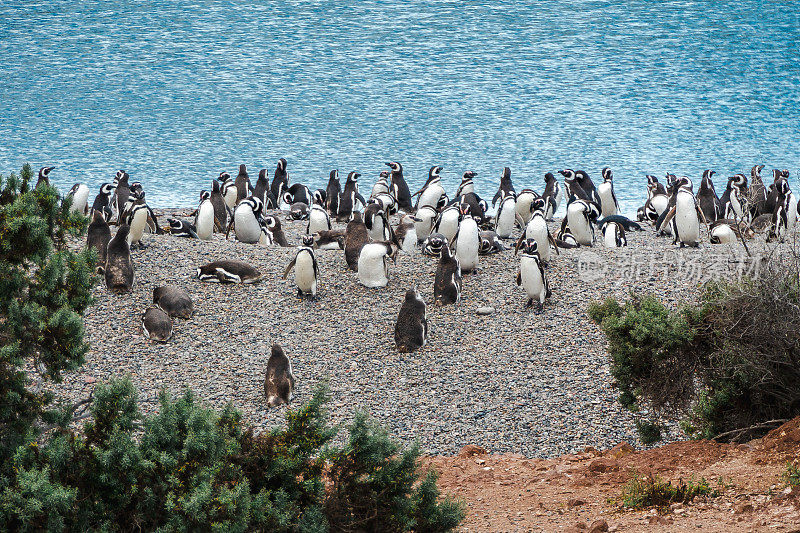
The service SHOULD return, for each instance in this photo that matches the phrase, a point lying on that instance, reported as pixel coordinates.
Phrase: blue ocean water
(175, 91)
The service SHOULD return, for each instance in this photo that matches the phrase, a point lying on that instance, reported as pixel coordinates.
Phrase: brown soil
(583, 492)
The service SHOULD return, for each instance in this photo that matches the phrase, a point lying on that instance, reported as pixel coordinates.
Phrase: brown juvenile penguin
(119, 267)
(97, 236)
(157, 325)
(356, 236)
(411, 329)
(174, 300)
(279, 380)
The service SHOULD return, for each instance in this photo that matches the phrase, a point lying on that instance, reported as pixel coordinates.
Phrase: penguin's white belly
(723, 234)
(410, 240)
(610, 237)
(379, 188)
(205, 220)
(791, 214)
(230, 197)
(686, 221)
(304, 274)
(248, 229)
(372, 271)
(449, 225)
(659, 203)
(531, 278)
(579, 225)
(317, 221)
(537, 229)
(423, 228)
(735, 206)
(523, 206)
(430, 196)
(467, 246)
(79, 199)
(607, 205)
(378, 230)
(505, 222)
(137, 226)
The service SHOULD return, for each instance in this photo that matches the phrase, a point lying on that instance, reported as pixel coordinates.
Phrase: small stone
(603, 464)
(598, 526)
(486, 310)
(471, 449)
(745, 507)
(575, 502)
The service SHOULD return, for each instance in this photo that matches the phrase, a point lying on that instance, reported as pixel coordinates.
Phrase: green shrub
(644, 492)
(649, 432)
(792, 475)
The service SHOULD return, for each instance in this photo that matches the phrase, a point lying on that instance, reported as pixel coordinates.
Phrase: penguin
(387, 202)
(399, 188)
(156, 324)
(733, 201)
(758, 192)
(298, 193)
(333, 192)
(373, 264)
(79, 193)
(136, 216)
(551, 195)
(44, 177)
(97, 236)
(580, 213)
(506, 188)
(318, 219)
(685, 215)
(280, 181)
(411, 328)
(774, 192)
(791, 211)
(381, 186)
(279, 379)
(448, 221)
(122, 193)
(490, 243)
(102, 202)
(405, 234)
(243, 186)
(447, 282)
(376, 222)
(724, 231)
(467, 184)
(467, 243)
(654, 186)
(433, 244)
(319, 196)
(523, 205)
(119, 268)
(272, 232)
(605, 192)
(425, 219)
(613, 235)
(506, 216)
(179, 228)
(175, 301)
(262, 189)
(204, 219)
(220, 208)
(228, 271)
(247, 221)
(627, 224)
(707, 197)
(299, 211)
(655, 207)
(537, 229)
(347, 201)
(573, 186)
(432, 191)
(228, 189)
(355, 237)
(532, 277)
(587, 185)
(564, 237)
(474, 205)
(330, 239)
(306, 270)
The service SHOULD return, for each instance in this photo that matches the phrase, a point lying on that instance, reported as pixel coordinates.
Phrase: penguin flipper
(519, 277)
(552, 241)
(670, 215)
(360, 199)
(290, 266)
(519, 243)
(230, 226)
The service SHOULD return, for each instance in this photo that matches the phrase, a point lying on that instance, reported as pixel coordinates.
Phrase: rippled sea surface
(174, 92)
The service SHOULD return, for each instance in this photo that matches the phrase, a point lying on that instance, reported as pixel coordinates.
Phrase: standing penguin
(537, 229)
(242, 183)
(467, 184)
(551, 195)
(156, 324)
(103, 201)
(381, 185)
(432, 191)
(228, 189)
(608, 200)
(332, 193)
(44, 176)
(220, 209)
(468, 243)
(204, 219)
(121, 194)
(262, 190)
(405, 234)
(373, 264)
(447, 283)
(355, 237)
(347, 200)
(279, 379)
(448, 221)
(587, 185)
(580, 213)
(758, 192)
(280, 181)
(318, 219)
(79, 193)
(247, 221)
(685, 216)
(174, 301)
(376, 222)
(733, 203)
(97, 236)
(523, 204)
(306, 271)
(613, 235)
(119, 268)
(411, 328)
(399, 188)
(707, 197)
(425, 218)
(532, 277)
(506, 216)
(506, 188)
(136, 215)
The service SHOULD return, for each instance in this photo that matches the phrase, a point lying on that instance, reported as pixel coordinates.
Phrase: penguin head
(174, 224)
(287, 198)
(223, 177)
(395, 166)
(549, 177)
(204, 195)
(384, 174)
(242, 169)
(136, 188)
(443, 201)
(568, 174)
(45, 171)
(538, 205)
(319, 196)
(640, 214)
(607, 174)
(505, 174)
(262, 174)
(281, 165)
(530, 247)
(272, 222)
(434, 172)
(256, 204)
(215, 187)
(353, 176)
(707, 174)
(468, 175)
(651, 180)
(107, 189)
(334, 175)
(684, 183)
(308, 240)
(118, 175)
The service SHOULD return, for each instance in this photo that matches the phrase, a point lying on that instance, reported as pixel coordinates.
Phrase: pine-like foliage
(44, 289)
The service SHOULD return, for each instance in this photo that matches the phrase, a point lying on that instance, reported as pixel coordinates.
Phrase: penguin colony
(456, 230)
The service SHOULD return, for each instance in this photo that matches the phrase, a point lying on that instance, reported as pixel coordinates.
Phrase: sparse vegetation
(792, 474)
(649, 432)
(647, 491)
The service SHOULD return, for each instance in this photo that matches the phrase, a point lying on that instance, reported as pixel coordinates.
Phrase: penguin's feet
(539, 308)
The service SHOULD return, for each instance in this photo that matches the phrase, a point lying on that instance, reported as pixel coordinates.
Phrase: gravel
(512, 381)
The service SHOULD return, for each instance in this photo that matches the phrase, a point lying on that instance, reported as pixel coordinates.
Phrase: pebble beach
(511, 381)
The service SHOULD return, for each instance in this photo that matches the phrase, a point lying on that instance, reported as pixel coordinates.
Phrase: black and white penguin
(573, 186)
(411, 328)
(122, 193)
(318, 219)
(432, 191)
(204, 218)
(97, 236)
(272, 232)
(347, 201)
(119, 267)
(551, 195)
(298, 193)
(377, 223)
(279, 379)
(605, 192)
(448, 221)
(355, 237)
(44, 176)
(262, 190)
(181, 228)
(387, 202)
(136, 215)
(243, 186)
(433, 244)
(467, 184)
(228, 189)
(490, 243)
(247, 219)
(523, 205)
(329, 239)
(774, 196)
(228, 271)
(79, 194)
(373, 264)
(467, 243)
(381, 185)
(425, 219)
(758, 192)
(707, 197)
(175, 301)
(654, 186)
(447, 283)
(405, 234)
(399, 188)
(587, 185)
(580, 214)
(733, 203)
(299, 211)
(103, 200)
(156, 324)
(626, 223)
(726, 230)
(532, 277)
(685, 216)
(506, 217)
(333, 193)
(506, 188)
(319, 196)
(564, 237)
(613, 235)
(306, 270)
(474, 205)
(280, 181)
(537, 229)
(220, 207)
